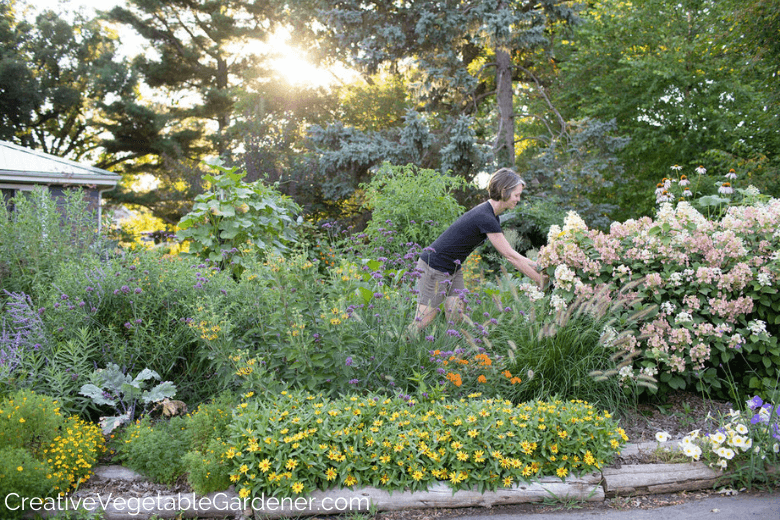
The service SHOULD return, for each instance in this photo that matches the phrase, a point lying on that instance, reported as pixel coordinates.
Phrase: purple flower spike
(348, 362)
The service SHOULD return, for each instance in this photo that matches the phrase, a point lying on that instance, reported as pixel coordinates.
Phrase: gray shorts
(435, 286)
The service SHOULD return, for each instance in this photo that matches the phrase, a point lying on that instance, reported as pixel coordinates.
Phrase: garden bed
(638, 471)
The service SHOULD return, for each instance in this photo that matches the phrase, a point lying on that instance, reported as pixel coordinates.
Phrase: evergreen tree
(462, 63)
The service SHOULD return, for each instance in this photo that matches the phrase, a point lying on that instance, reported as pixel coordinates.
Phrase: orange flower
(507, 374)
(515, 380)
(482, 379)
(483, 359)
(455, 378)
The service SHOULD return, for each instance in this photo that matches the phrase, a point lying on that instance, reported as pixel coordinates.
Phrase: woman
(440, 264)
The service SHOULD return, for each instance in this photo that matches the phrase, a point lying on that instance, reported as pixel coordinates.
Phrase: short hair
(502, 182)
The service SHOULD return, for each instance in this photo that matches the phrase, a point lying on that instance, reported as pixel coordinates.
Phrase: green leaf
(365, 294)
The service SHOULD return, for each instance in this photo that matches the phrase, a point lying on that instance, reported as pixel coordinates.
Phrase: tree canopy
(592, 102)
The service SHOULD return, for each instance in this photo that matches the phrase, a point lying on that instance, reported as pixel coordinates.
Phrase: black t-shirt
(462, 237)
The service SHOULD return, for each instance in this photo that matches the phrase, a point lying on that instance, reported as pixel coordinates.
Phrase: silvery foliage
(111, 387)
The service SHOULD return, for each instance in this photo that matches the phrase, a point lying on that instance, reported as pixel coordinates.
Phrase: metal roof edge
(48, 178)
(90, 172)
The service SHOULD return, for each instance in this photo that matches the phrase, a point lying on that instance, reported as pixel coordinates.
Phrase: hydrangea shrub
(714, 282)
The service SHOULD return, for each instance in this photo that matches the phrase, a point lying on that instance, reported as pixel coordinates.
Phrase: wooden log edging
(439, 495)
(653, 479)
(642, 479)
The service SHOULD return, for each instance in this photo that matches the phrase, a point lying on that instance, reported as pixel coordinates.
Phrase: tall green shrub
(410, 204)
(39, 233)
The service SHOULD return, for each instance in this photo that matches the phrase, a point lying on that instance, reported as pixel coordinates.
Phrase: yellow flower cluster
(303, 443)
(67, 447)
(74, 452)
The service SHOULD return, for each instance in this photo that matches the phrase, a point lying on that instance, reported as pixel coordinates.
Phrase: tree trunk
(504, 146)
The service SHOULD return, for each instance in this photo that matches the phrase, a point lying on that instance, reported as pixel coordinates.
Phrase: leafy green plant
(138, 309)
(205, 463)
(233, 218)
(40, 233)
(410, 205)
(111, 387)
(155, 448)
(59, 368)
(22, 476)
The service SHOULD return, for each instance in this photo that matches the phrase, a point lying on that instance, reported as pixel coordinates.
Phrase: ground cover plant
(297, 442)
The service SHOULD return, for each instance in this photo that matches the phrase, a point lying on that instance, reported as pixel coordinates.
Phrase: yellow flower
(297, 487)
(330, 474)
(291, 464)
(243, 493)
(473, 433)
(589, 459)
(417, 475)
(350, 481)
(507, 481)
(562, 472)
(563, 434)
(20, 468)
(21, 420)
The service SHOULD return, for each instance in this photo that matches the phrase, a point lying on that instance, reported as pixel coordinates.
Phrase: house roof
(25, 166)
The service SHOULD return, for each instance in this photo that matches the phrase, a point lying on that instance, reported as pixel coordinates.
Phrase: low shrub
(155, 448)
(44, 453)
(299, 443)
(22, 476)
(205, 463)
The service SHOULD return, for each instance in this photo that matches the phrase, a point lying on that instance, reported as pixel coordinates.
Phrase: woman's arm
(524, 265)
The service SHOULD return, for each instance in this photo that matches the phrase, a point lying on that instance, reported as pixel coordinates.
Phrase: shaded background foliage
(604, 96)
